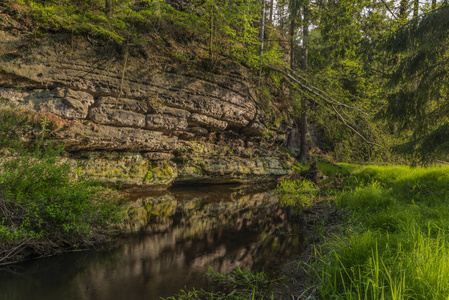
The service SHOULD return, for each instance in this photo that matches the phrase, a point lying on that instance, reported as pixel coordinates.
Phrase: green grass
(298, 193)
(240, 284)
(396, 244)
(335, 170)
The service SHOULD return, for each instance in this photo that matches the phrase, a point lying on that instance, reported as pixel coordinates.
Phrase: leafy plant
(43, 206)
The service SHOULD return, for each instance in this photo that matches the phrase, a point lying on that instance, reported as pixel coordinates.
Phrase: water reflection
(187, 230)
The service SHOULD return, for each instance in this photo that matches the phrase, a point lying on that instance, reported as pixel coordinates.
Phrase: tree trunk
(292, 42)
(108, 7)
(211, 31)
(305, 50)
(305, 40)
(271, 11)
(262, 33)
(281, 18)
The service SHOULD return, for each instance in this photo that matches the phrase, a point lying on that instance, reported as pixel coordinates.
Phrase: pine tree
(294, 7)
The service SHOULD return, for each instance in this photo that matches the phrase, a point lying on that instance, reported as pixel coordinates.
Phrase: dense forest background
(370, 76)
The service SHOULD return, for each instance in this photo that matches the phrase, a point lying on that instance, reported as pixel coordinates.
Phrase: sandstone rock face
(147, 124)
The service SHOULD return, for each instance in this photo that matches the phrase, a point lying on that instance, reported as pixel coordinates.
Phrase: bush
(41, 202)
(42, 199)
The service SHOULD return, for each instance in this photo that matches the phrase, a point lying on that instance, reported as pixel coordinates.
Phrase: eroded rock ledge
(152, 123)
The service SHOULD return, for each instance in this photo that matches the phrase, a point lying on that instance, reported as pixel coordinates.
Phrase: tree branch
(353, 130)
(389, 9)
(333, 104)
(314, 90)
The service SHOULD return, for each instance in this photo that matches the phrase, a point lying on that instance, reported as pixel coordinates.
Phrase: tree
(419, 86)
(415, 8)
(108, 7)
(262, 36)
(211, 28)
(294, 10)
(305, 49)
(403, 10)
(340, 45)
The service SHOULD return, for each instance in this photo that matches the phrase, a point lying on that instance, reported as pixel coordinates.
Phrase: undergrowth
(234, 31)
(43, 207)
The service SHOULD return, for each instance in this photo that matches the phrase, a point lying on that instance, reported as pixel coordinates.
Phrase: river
(190, 229)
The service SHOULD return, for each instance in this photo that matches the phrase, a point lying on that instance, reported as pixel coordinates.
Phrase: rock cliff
(141, 117)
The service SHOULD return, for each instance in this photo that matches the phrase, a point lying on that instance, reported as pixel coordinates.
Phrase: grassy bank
(44, 209)
(394, 243)
(396, 246)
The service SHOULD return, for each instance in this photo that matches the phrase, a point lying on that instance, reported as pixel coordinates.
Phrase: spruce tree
(419, 86)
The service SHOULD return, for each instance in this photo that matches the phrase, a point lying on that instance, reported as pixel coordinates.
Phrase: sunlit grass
(396, 244)
(340, 169)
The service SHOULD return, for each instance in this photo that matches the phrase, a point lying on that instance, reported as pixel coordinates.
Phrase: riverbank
(394, 241)
(384, 236)
(44, 209)
(373, 232)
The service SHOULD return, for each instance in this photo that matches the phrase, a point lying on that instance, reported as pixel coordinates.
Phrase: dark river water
(190, 230)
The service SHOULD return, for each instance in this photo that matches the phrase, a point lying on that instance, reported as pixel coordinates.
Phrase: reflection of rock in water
(195, 211)
(182, 233)
(227, 229)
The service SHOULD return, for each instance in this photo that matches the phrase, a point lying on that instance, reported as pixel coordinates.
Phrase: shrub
(42, 205)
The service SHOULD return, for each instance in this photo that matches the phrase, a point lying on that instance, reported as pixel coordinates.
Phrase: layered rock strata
(135, 120)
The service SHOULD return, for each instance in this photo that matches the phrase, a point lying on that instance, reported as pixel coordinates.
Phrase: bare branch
(389, 9)
(353, 130)
(315, 90)
(339, 116)
(14, 250)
